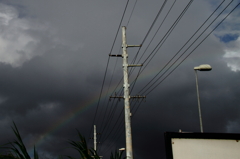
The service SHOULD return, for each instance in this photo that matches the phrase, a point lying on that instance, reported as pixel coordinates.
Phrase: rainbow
(69, 116)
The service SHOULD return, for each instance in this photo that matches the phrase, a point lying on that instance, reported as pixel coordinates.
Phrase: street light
(122, 149)
(204, 67)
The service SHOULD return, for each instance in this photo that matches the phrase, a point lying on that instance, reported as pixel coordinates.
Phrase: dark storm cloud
(56, 66)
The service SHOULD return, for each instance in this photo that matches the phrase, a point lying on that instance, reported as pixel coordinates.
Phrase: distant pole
(95, 138)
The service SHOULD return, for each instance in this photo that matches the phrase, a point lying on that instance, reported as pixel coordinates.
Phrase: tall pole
(199, 107)
(126, 97)
(129, 153)
(95, 138)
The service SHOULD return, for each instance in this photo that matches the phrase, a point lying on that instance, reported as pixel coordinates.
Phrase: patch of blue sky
(228, 37)
(22, 11)
(229, 29)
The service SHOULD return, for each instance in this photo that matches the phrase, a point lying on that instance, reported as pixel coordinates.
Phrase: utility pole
(95, 138)
(129, 151)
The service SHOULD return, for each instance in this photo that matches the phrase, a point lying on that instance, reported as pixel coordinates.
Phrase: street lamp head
(204, 67)
(122, 149)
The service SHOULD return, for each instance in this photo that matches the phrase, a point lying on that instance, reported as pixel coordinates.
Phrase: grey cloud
(58, 87)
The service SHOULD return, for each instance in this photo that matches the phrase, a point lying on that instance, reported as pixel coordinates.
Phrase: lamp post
(204, 67)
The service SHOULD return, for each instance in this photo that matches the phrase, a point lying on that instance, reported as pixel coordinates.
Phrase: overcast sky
(56, 75)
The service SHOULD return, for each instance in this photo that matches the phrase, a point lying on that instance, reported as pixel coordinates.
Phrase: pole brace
(118, 55)
(130, 97)
(135, 65)
(134, 45)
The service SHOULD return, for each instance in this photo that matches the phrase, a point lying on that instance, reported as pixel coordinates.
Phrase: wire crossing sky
(156, 49)
(57, 75)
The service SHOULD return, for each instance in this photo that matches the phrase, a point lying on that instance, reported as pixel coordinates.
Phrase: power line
(134, 82)
(134, 112)
(197, 45)
(163, 40)
(180, 50)
(115, 66)
(186, 56)
(131, 12)
(104, 78)
(158, 46)
(119, 51)
(149, 30)
(154, 23)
